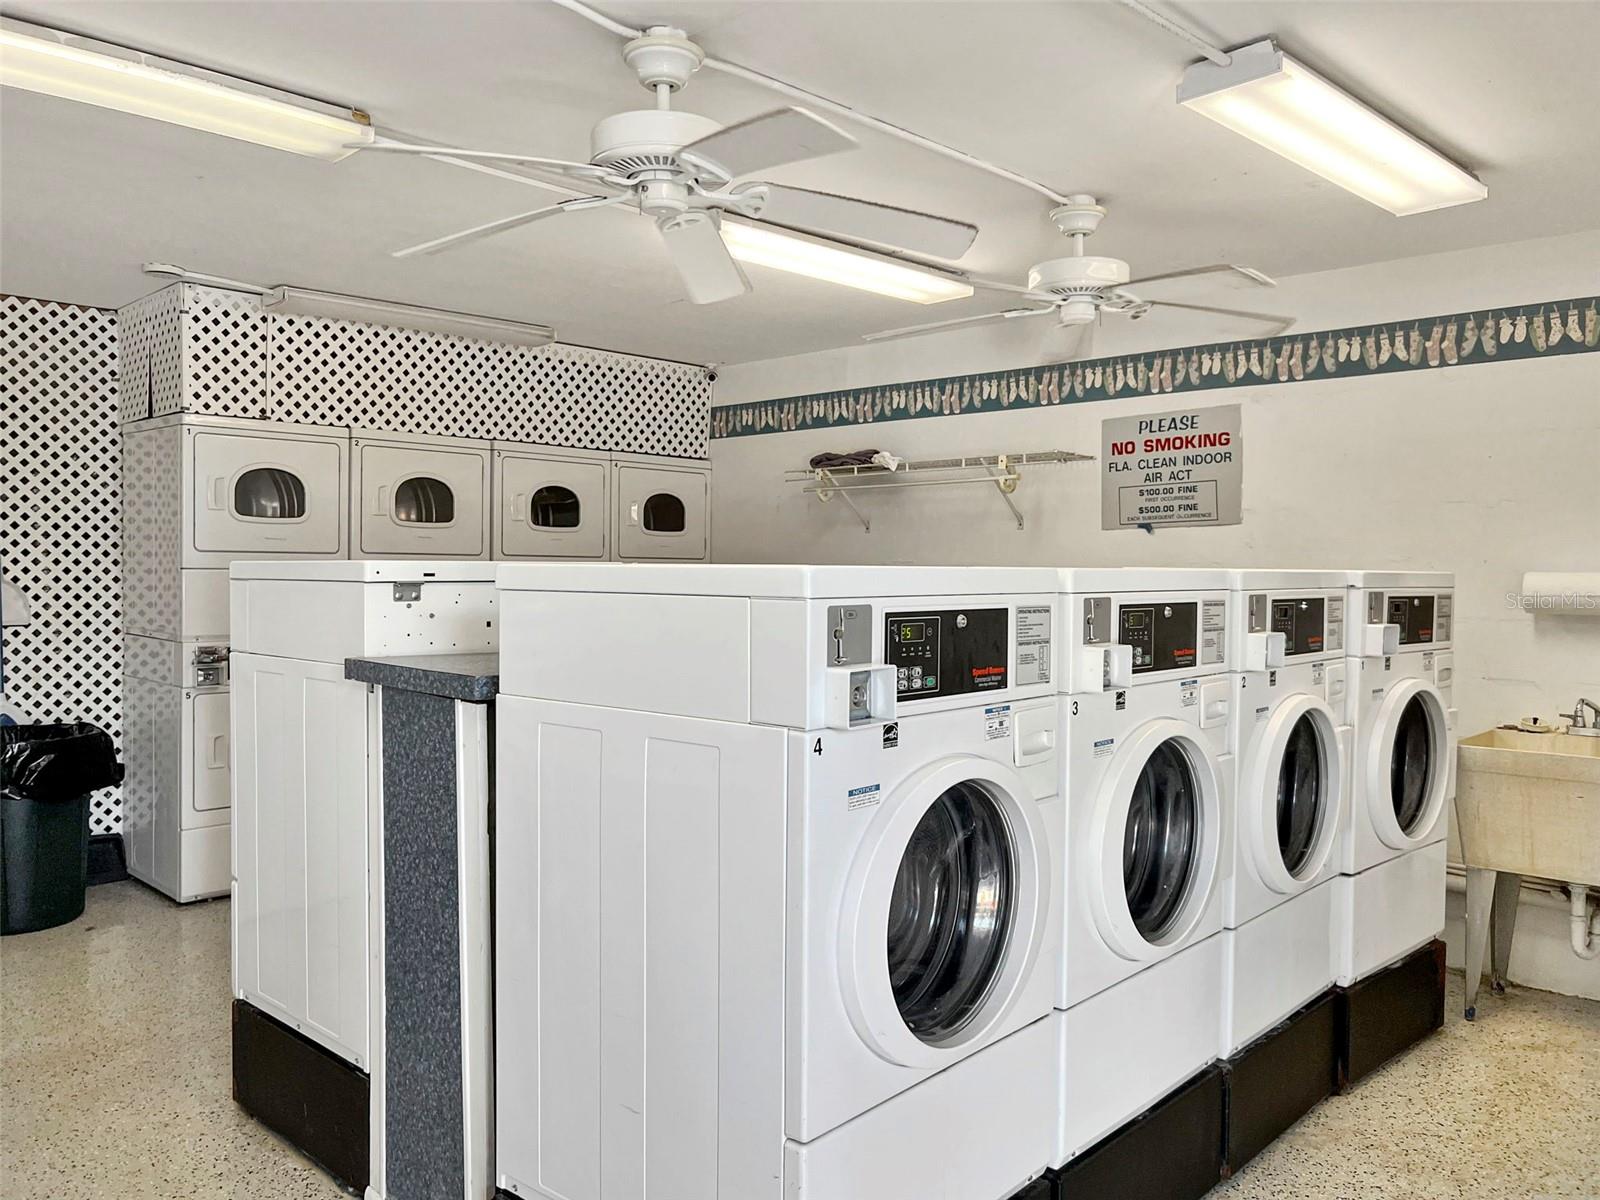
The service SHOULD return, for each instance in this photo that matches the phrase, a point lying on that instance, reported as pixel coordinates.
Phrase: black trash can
(46, 775)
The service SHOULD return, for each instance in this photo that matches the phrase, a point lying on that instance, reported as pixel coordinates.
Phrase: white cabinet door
(300, 847)
(550, 507)
(208, 750)
(420, 501)
(661, 512)
(267, 495)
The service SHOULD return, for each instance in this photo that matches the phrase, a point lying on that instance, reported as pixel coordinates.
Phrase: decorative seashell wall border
(1420, 344)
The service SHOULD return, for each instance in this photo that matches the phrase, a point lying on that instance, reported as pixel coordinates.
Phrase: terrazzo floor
(114, 1083)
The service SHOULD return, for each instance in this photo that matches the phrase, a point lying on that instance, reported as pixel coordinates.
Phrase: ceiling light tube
(1280, 103)
(293, 301)
(51, 63)
(764, 246)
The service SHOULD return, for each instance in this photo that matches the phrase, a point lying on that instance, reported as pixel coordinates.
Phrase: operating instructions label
(1033, 645)
(1172, 468)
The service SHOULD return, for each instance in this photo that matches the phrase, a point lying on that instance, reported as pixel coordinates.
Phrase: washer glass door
(1301, 779)
(1411, 764)
(1161, 840)
(951, 912)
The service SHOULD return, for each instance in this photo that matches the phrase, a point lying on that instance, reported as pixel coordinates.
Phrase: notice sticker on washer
(862, 797)
(1213, 630)
(1104, 747)
(997, 722)
(1033, 645)
(1261, 713)
(1189, 692)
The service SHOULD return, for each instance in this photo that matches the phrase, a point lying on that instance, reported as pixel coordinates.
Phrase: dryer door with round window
(661, 513)
(267, 495)
(550, 507)
(421, 501)
(1151, 860)
(945, 911)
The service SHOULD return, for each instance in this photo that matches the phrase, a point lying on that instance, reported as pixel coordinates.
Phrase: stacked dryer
(1147, 713)
(1291, 751)
(418, 497)
(198, 493)
(777, 915)
(1389, 897)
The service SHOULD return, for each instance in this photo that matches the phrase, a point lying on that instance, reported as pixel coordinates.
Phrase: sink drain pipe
(1584, 943)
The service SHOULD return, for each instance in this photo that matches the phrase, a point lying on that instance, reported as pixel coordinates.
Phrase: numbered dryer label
(1033, 645)
(997, 722)
(862, 797)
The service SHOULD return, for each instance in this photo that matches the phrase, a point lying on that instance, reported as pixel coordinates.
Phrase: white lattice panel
(224, 354)
(379, 377)
(152, 516)
(59, 517)
(150, 337)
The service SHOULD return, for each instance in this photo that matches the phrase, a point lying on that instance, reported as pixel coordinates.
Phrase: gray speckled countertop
(472, 677)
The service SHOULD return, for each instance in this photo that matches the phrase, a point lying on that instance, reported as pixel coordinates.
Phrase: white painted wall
(1487, 471)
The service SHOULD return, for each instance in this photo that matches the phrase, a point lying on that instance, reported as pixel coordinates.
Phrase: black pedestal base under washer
(304, 1093)
(1279, 1077)
(1389, 1012)
(1174, 1150)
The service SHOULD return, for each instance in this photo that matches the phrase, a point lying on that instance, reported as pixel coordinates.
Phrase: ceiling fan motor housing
(644, 143)
(1086, 276)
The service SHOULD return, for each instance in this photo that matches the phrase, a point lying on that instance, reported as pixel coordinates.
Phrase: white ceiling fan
(680, 168)
(1077, 289)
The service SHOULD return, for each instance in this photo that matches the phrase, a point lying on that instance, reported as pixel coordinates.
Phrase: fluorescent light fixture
(58, 64)
(293, 301)
(764, 246)
(1285, 106)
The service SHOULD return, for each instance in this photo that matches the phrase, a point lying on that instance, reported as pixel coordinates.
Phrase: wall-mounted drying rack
(1001, 471)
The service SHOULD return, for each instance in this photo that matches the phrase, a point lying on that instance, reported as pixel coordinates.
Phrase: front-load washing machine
(1389, 897)
(413, 496)
(1291, 750)
(775, 905)
(1146, 709)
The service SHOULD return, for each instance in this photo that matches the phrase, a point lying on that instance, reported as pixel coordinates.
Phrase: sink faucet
(1576, 716)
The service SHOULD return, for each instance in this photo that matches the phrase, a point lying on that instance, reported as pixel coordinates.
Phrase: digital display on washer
(1164, 637)
(1414, 615)
(949, 652)
(1299, 619)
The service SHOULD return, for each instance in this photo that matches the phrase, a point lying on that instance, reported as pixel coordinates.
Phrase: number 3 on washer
(1074, 708)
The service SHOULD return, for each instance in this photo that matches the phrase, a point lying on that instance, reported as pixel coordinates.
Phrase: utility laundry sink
(1530, 803)
(1526, 804)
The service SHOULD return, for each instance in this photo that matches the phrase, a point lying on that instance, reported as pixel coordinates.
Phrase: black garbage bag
(56, 762)
(46, 775)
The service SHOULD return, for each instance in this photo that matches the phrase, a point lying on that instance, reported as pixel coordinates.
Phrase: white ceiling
(1078, 95)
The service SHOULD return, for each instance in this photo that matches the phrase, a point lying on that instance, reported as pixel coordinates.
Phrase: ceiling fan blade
(1250, 273)
(1016, 289)
(559, 165)
(1279, 322)
(858, 220)
(697, 250)
(929, 326)
(490, 228)
(785, 135)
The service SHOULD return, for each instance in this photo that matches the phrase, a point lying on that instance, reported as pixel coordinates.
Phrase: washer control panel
(1167, 637)
(1309, 624)
(947, 652)
(1415, 617)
